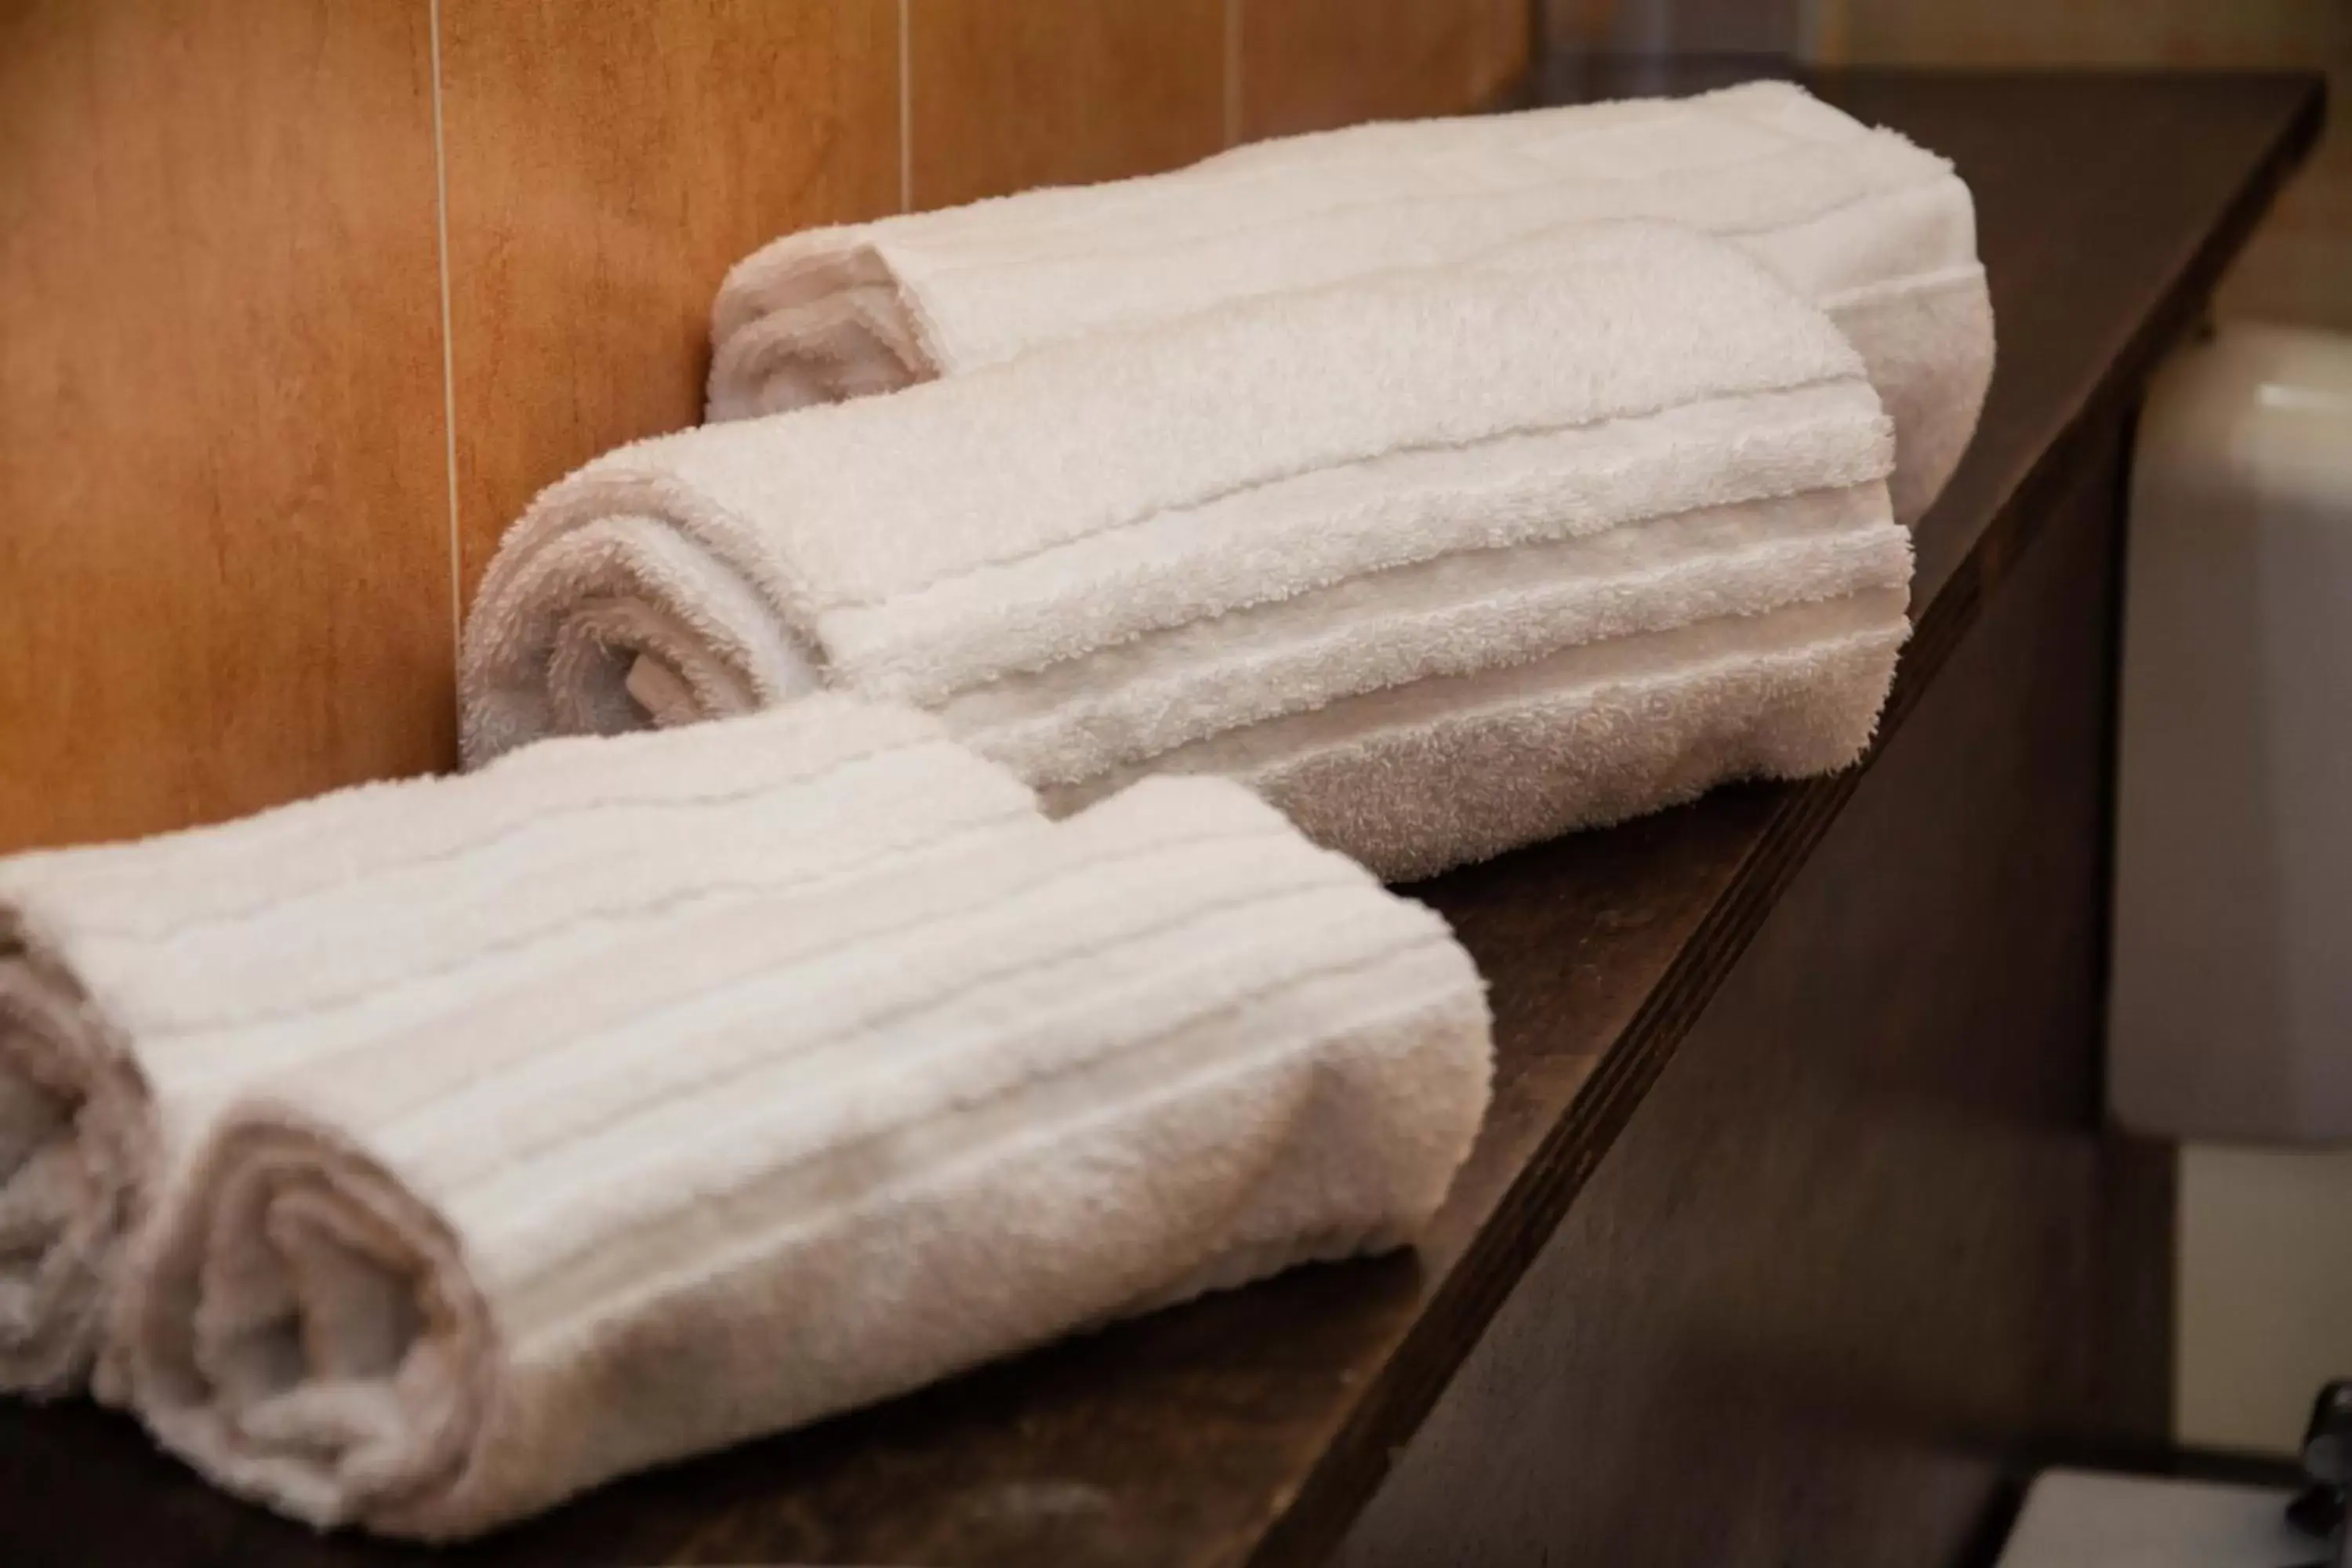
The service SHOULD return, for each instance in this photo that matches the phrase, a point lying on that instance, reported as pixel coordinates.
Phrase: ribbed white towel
(1878, 232)
(1443, 561)
(803, 1153)
(141, 985)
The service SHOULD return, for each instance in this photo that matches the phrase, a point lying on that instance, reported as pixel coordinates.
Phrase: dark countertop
(1252, 1427)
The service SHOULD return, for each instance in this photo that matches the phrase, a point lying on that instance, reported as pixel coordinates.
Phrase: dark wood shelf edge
(1395, 1402)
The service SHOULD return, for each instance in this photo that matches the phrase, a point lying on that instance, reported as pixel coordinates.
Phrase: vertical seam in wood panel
(906, 107)
(1233, 72)
(448, 347)
(1481, 29)
(2179, 1422)
(1821, 30)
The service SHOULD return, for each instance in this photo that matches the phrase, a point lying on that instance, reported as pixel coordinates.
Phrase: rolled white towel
(141, 984)
(803, 1153)
(1878, 232)
(1443, 561)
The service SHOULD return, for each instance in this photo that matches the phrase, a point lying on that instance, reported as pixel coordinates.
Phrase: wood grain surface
(1059, 92)
(247, 478)
(224, 513)
(1307, 65)
(607, 164)
(1254, 1427)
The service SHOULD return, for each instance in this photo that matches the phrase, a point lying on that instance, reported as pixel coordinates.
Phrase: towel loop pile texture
(1441, 561)
(1879, 232)
(143, 985)
(418, 1156)
(804, 1152)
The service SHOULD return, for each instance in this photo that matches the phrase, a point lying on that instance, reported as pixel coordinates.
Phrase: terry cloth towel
(1443, 561)
(803, 1153)
(1879, 232)
(143, 984)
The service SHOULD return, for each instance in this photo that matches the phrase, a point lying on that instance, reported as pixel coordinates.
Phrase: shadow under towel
(143, 984)
(1879, 232)
(771, 1161)
(1443, 561)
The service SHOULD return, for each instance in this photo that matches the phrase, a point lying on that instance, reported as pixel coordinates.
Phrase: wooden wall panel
(1674, 26)
(1510, 44)
(228, 447)
(605, 165)
(223, 520)
(1305, 64)
(1059, 92)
